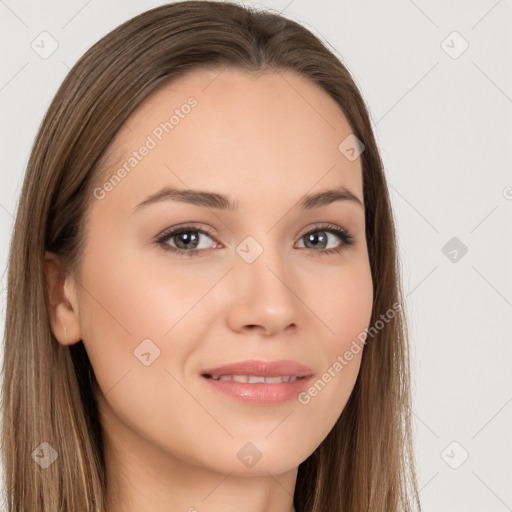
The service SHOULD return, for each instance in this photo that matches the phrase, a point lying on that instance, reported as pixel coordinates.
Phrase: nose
(263, 297)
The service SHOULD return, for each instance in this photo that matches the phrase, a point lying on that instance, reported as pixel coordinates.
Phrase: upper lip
(281, 367)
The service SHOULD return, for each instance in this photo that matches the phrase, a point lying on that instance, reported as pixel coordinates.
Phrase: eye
(186, 240)
(319, 238)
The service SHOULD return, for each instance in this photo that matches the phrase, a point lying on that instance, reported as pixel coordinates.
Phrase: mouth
(259, 382)
(281, 368)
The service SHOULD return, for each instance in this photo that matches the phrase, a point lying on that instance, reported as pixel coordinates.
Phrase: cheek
(344, 306)
(343, 302)
(119, 309)
(135, 312)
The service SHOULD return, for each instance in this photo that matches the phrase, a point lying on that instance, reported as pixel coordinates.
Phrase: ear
(63, 301)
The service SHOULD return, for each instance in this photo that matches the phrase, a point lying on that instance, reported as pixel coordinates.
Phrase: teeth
(273, 380)
(255, 379)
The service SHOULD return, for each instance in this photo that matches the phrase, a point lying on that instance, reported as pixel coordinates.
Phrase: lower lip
(260, 393)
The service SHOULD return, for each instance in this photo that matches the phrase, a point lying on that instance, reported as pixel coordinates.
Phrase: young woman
(204, 306)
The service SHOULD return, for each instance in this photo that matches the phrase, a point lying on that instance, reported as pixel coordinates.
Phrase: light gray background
(444, 128)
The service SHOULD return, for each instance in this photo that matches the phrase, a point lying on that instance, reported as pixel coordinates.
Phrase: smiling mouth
(257, 382)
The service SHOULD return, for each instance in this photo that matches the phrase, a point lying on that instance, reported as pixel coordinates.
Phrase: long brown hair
(366, 462)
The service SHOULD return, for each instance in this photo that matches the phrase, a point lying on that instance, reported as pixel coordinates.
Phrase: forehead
(234, 132)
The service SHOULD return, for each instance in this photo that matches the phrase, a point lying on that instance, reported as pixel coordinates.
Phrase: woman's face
(262, 281)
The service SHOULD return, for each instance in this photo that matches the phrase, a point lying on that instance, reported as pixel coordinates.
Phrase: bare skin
(171, 441)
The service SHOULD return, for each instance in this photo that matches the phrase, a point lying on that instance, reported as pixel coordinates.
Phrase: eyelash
(345, 236)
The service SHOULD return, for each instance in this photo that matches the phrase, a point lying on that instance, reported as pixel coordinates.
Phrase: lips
(259, 382)
(256, 382)
(255, 368)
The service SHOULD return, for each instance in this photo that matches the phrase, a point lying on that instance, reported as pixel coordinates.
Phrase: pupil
(315, 237)
(187, 239)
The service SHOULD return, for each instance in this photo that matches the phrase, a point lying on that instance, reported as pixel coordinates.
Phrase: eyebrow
(221, 202)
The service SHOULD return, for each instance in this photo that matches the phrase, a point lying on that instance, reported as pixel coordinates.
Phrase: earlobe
(63, 301)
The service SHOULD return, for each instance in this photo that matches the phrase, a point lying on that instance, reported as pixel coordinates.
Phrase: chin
(265, 456)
